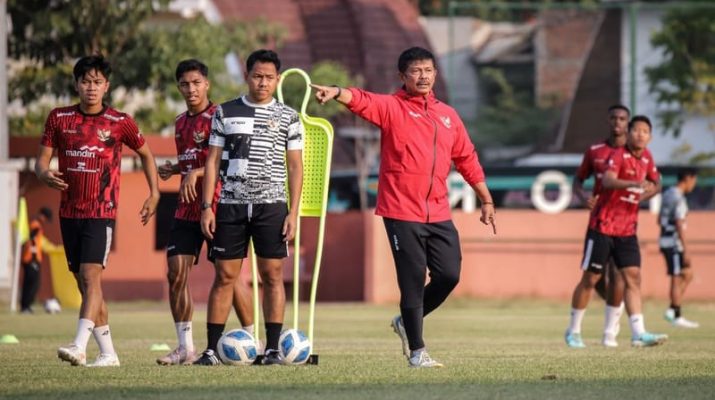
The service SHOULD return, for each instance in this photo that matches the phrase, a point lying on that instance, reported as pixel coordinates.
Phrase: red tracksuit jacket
(421, 136)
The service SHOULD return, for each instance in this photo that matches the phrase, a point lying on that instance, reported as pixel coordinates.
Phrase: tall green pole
(632, 27)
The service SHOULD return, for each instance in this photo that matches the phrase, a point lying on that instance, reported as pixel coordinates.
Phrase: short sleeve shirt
(254, 139)
(673, 208)
(595, 162)
(89, 151)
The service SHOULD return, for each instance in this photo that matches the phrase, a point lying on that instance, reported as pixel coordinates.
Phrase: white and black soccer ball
(237, 347)
(52, 306)
(294, 346)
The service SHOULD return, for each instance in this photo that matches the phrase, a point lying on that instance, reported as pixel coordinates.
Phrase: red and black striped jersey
(89, 151)
(616, 211)
(192, 147)
(595, 162)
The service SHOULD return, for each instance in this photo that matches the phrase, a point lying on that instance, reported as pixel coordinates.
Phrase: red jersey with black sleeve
(595, 162)
(192, 147)
(616, 211)
(89, 151)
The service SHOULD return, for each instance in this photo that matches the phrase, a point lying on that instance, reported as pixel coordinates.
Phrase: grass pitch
(491, 349)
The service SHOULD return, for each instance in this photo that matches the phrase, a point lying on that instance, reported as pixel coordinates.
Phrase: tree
(48, 35)
(685, 82)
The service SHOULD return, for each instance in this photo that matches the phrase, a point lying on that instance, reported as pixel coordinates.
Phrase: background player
(88, 138)
(607, 282)
(673, 211)
(186, 239)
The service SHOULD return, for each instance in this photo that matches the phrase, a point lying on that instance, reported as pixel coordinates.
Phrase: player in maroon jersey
(88, 138)
(595, 164)
(631, 178)
(186, 238)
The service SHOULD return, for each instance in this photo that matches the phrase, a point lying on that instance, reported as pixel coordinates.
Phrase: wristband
(205, 206)
(340, 91)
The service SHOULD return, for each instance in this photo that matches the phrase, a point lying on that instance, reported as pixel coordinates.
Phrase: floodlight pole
(4, 137)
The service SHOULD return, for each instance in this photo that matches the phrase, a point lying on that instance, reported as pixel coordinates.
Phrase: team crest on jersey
(104, 134)
(199, 136)
(446, 121)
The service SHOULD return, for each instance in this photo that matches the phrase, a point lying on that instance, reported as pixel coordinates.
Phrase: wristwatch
(205, 206)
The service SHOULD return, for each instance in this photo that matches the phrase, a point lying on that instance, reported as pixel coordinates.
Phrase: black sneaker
(208, 357)
(272, 357)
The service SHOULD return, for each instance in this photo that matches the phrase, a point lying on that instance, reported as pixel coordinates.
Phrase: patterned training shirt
(673, 208)
(616, 212)
(595, 162)
(254, 139)
(89, 151)
(192, 147)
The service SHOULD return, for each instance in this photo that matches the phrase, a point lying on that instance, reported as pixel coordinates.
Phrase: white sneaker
(178, 356)
(681, 322)
(72, 354)
(399, 329)
(669, 315)
(420, 359)
(609, 339)
(105, 360)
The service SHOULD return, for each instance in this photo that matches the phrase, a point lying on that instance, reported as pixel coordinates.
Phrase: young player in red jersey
(186, 239)
(595, 163)
(631, 178)
(88, 139)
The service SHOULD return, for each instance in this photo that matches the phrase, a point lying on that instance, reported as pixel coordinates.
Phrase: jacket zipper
(434, 160)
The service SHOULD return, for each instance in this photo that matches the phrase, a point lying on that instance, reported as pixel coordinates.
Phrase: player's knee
(449, 279)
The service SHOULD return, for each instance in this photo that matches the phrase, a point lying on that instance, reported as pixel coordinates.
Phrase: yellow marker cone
(9, 339)
(160, 347)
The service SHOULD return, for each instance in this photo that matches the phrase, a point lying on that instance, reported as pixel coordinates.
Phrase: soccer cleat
(208, 358)
(72, 354)
(669, 315)
(399, 329)
(420, 359)
(681, 322)
(647, 339)
(177, 356)
(574, 340)
(609, 340)
(105, 360)
(272, 357)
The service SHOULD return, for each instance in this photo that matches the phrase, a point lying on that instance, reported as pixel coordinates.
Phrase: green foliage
(502, 10)
(49, 35)
(685, 82)
(497, 125)
(323, 73)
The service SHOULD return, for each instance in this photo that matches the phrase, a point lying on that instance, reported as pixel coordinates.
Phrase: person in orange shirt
(32, 259)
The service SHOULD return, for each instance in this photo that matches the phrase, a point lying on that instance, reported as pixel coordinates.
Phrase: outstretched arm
(326, 93)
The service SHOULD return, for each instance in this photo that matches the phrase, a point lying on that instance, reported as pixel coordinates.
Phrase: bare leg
(180, 301)
(243, 302)
(221, 295)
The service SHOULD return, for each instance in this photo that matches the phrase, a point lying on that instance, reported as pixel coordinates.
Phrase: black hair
(619, 107)
(89, 63)
(413, 54)
(639, 118)
(191, 65)
(687, 172)
(47, 212)
(264, 56)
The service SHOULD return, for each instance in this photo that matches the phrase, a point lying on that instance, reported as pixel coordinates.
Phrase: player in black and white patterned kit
(252, 139)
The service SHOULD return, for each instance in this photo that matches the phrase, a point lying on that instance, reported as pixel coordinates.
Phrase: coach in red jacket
(421, 137)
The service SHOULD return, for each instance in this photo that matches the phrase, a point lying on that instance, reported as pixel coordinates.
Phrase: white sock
(248, 328)
(84, 331)
(613, 314)
(104, 339)
(576, 318)
(637, 325)
(185, 335)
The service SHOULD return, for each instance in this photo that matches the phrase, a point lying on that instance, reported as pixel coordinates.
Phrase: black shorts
(599, 248)
(186, 238)
(674, 259)
(237, 224)
(86, 241)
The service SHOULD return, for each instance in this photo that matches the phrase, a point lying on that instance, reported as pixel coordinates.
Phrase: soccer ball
(294, 346)
(52, 306)
(237, 347)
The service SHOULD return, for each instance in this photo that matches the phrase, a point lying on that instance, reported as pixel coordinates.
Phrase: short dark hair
(47, 212)
(639, 118)
(619, 107)
(264, 56)
(413, 54)
(686, 172)
(191, 65)
(89, 63)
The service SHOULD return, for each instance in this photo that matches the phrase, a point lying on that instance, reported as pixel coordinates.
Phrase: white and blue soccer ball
(237, 347)
(294, 346)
